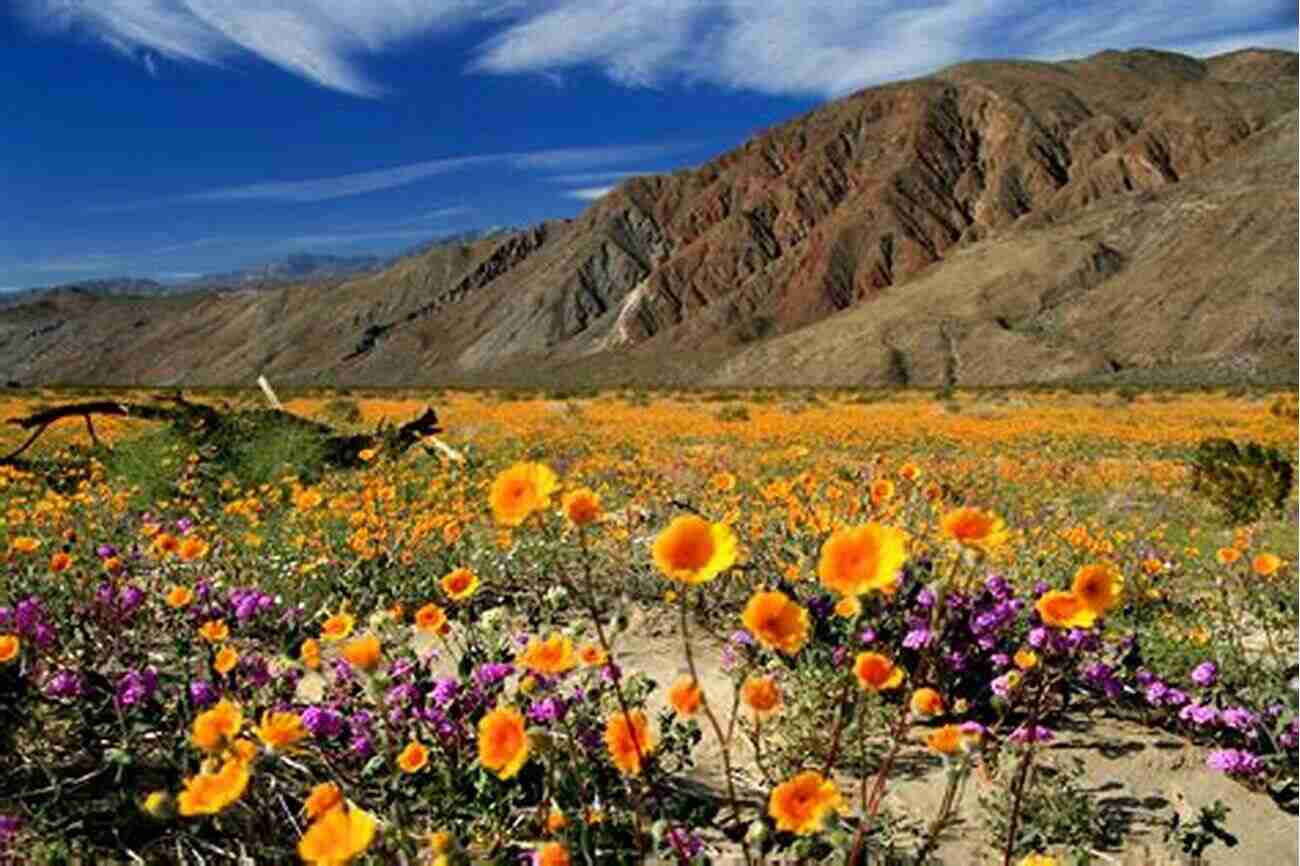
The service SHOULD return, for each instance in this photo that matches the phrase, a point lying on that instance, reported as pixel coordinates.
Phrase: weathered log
(203, 422)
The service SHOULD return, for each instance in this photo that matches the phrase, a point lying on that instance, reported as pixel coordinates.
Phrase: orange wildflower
(629, 741)
(592, 655)
(10, 644)
(179, 596)
(971, 527)
(762, 695)
(1228, 555)
(552, 854)
(214, 728)
(60, 562)
(876, 672)
(554, 655)
(25, 544)
(432, 619)
(338, 626)
(363, 652)
(777, 621)
(1064, 610)
(909, 472)
(225, 661)
(459, 584)
(926, 702)
(413, 758)
(280, 732)
(192, 548)
(1098, 587)
(946, 740)
(519, 491)
(322, 798)
(692, 550)
(210, 793)
(338, 837)
(309, 654)
(882, 490)
(1026, 659)
(684, 695)
(856, 560)
(214, 631)
(1266, 564)
(802, 804)
(502, 742)
(581, 506)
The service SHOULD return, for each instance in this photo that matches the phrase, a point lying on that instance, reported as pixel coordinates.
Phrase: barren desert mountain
(1131, 215)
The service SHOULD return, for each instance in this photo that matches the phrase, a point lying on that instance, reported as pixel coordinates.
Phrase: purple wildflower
(1234, 762)
(1205, 674)
(65, 684)
(322, 722)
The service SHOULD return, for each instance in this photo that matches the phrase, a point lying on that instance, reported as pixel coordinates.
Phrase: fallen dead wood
(208, 425)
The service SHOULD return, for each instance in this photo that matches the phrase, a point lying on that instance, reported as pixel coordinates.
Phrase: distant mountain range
(296, 268)
(1128, 217)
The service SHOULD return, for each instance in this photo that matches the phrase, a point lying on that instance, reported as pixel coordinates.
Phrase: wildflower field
(773, 627)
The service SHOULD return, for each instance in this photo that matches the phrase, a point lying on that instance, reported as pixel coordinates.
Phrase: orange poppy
(971, 527)
(338, 626)
(519, 491)
(459, 584)
(280, 732)
(214, 631)
(432, 619)
(502, 742)
(210, 793)
(215, 727)
(413, 758)
(364, 652)
(554, 655)
(1064, 610)
(60, 562)
(10, 644)
(592, 655)
(179, 596)
(225, 661)
(1266, 564)
(762, 695)
(684, 695)
(552, 854)
(309, 654)
(777, 621)
(321, 799)
(802, 804)
(856, 560)
(926, 702)
(882, 490)
(337, 837)
(629, 741)
(692, 550)
(946, 740)
(1098, 587)
(581, 506)
(876, 672)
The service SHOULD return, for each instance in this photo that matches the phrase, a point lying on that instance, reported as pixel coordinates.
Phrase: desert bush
(1243, 481)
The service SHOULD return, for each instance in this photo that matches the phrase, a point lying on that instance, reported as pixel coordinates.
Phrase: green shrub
(1241, 480)
(732, 412)
(342, 411)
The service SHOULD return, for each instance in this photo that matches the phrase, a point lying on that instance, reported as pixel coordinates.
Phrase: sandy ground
(1138, 771)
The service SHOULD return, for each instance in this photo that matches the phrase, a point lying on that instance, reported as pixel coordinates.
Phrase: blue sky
(165, 138)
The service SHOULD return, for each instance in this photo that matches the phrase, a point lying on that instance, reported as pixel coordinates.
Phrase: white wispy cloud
(321, 40)
(344, 185)
(589, 193)
(822, 47)
(594, 176)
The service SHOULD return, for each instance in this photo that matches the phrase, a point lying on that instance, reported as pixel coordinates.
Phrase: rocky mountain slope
(1129, 214)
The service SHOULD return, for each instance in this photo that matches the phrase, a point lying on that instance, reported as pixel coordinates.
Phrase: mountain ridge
(860, 203)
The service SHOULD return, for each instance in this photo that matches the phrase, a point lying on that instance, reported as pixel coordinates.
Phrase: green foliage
(732, 412)
(343, 411)
(1057, 811)
(1242, 480)
(147, 465)
(1195, 836)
